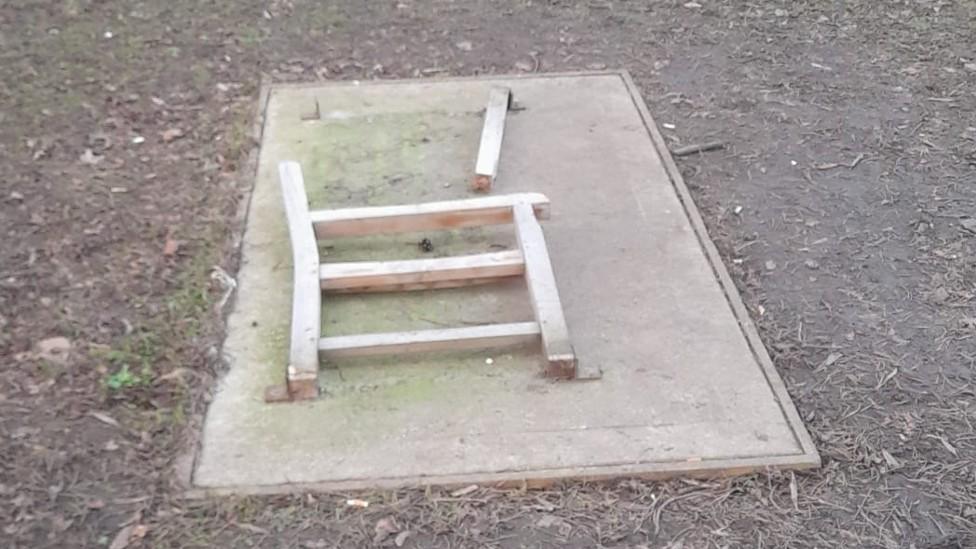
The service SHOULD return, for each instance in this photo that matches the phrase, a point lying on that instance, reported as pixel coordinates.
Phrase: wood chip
(172, 134)
(251, 528)
(104, 418)
(170, 248)
(890, 460)
(698, 148)
(464, 491)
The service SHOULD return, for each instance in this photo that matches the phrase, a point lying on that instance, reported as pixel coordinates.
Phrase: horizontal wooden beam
(451, 214)
(419, 274)
(422, 341)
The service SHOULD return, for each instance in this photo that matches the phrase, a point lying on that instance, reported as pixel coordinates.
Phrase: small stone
(111, 446)
(464, 45)
(812, 264)
(770, 265)
(171, 134)
(692, 5)
(489, 361)
(53, 349)
(138, 140)
(90, 158)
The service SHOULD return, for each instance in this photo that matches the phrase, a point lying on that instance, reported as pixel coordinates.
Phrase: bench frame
(311, 279)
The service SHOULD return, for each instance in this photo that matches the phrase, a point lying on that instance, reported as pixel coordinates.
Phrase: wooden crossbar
(423, 341)
(420, 274)
(451, 214)
(490, 149)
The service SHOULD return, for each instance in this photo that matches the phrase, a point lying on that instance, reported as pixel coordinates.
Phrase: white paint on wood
(543, 294)
(306, 308)
(490, 150)
(423, 341)
(440, 272)
(450, 214)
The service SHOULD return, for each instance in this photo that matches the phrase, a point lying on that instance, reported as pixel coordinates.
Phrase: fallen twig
(698, 148)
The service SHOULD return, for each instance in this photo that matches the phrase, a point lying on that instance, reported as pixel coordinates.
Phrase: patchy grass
(131, 363)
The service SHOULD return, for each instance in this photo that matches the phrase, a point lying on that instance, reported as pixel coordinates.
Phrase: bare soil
(843, 205)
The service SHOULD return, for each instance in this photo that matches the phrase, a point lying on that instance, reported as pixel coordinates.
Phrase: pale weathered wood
(440, 272)
(541, 281)
(490, 150)
(451, 214)
(422, 341)
(306, 308)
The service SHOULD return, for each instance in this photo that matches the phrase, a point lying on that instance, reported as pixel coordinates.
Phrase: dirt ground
(844, 206)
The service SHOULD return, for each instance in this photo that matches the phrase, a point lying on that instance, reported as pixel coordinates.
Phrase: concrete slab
(687, 385)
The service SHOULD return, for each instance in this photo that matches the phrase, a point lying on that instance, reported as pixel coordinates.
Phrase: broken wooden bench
(313, 278)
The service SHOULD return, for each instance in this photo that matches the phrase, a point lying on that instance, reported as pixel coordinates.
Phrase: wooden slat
(560, 357)
(415, 274)
(422, 341)
(451, 214)
(306, 308)
(490, 150)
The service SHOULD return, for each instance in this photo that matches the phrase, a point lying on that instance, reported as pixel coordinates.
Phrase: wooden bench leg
(301, 381)
(490, 150)
(558, 348)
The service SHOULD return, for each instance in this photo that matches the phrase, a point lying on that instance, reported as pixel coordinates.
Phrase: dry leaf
(169, 249)
(385, 527)
(90, 158)
(53, 349)
(121, 540)
(139, 532)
